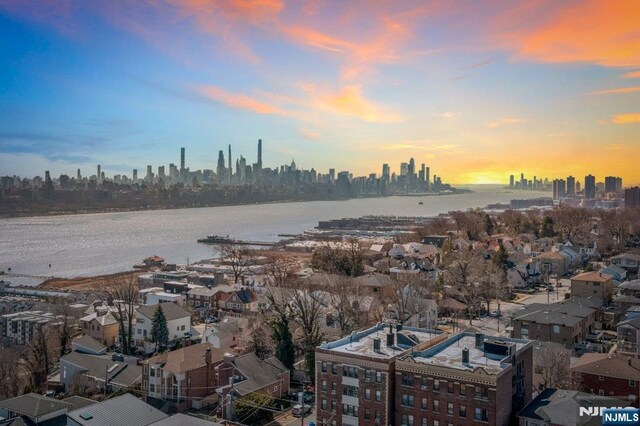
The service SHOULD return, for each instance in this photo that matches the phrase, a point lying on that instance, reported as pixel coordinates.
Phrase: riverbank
(96, 283)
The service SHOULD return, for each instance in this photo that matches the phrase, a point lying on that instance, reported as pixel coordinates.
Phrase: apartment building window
(424, 422)
(463, 389)
(333, 388)
(632, 383)
(424, 385)
(324, 385)
(378, 396)
(436, 405)
(348, 371)
(407, 420)
(463, 411)
(449, 387)
(378, 377)
(152, 388)
(436, 423)
(450, 408)
(367, 394)
(367, 375)
(334, 406)
(407, 379)
(378, 418)
(324, 367)
(152, 372)
(334, 369)
(481, 414)
(423, 403)
(350, 391)
(556, 329)
(350, 410)
(407, 400)
(367, 413)
(436, 385)
(481, 392)
(323, 404)
(524, 329)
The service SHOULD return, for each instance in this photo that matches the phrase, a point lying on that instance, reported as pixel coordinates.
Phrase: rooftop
(492, 355)
(171, 311)
(187, 358)
(33, 405)
(618, 366)
(362, 342)
(123, 410)
(592, 276)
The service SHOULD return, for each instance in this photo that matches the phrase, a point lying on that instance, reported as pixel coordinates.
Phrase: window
(378, 396)
(367, 394)
(182, 327)
(556, 329)
(407, 420)
(601, 378)
(324, 367)
(481, 392)
(350, 391)
(424, 422)
(407, 379)
(436, 385)
(378, 377)
(348, 371)
(334, 368)
(436, 405)
(324, 385)
(436, 423)
(601, 392)
(152, 387)
(144, 333)
(152, 372)
(632, 383)
(449, 387)
(367, 375)
(463, 411)
(367, 413)
(481, 414)
(333, 388)
(334, 406)
(407, 400)
(450, 408)
(350, 410)
(139, 331)
(423, 403)
(463, 389)
(378, 418)
(323, 404)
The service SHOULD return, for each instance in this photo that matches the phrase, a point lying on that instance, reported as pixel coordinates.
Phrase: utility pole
(106, 378)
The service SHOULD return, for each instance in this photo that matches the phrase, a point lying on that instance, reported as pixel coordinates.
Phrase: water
(93, 244)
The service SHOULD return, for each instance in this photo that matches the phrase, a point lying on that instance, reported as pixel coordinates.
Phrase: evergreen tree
(285, 351)
(159, 329)
(501, 257)
(488, 224)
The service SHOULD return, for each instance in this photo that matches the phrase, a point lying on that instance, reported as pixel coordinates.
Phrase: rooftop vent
(376, 345)
(479, 340)
(465, 356)
(86, 416)
(390, 339)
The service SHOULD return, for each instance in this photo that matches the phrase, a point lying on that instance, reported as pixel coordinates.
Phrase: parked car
(299, 410)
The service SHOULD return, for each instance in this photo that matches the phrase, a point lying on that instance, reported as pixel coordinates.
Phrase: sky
(477, 90)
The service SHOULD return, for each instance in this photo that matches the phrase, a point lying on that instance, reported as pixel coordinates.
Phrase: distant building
(589, 187)
(594, 284)
(632, 197)
(21, 328)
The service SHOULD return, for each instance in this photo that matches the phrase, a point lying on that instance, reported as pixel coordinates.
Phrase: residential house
(628, 331)
(619, 274)
(628, 261)
(252, 375)
(185, 376)
(81, 371)
(223, 335)
(33, 409)
(594, 284)
(238, 301)
(101, 325)
(123, 410)
(553, 263)
(630, 288)
(88, 345)
(178, 323)
(559, 407)
(606, 374)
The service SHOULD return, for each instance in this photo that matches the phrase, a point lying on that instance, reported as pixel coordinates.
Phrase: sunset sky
(477, 90)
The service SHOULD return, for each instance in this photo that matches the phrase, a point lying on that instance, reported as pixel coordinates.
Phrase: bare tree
(437, 226)
(404, 297)
(238, 258)
(12, 380)
(552, 368)
(346, 310)
(123, 291)
(255, 338)
(40, 357)
(66, 329)
(462, 273)
(572, 223)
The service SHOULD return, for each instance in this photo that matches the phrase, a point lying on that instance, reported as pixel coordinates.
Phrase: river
(94, 244)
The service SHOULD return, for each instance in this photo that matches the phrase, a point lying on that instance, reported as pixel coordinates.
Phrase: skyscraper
(230, 171)
(149, 177)
(220, 171)
(385, 172)
(589, 186)
(259, 154)
(181, 158)
(559, 189)
(99, 173)
(571, 186)
(79, 176)
(427, 177)
(135, 176)
(511, 182)
(632, 197)
(612, 184)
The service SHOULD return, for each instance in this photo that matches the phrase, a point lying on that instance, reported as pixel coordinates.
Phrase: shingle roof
(33, 405)
(592, 276)
(561, 407)
(125, 374)
(170, 309)
(78, 402)
(188, 358)
(89, 343)
(259, 373)
(617, 366)
(103, 320)
(123, 410)
(634, 322)
(184, 420)
(631, 285)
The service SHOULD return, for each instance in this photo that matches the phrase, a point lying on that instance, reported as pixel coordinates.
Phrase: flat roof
(361, 343)
(449, 353)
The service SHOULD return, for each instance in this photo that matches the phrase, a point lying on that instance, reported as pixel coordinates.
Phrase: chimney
(390, 339)
(479, 340)
(390, 328)
(207, 356)
(376, 345)
(465, 356)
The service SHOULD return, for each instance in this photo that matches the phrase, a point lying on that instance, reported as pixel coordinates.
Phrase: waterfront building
(589, 187)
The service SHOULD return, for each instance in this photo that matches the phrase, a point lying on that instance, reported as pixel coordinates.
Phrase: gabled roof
(259, 373)
(187, 359)
(618, 366)
(631, 256)
(123, 373)
(78, 402)
(592, 276)
(170, 309)
(103, 320)
(123, 410)
(631, 285)
(184, 420)
(635, 323)
(33, 405)
(88, 344)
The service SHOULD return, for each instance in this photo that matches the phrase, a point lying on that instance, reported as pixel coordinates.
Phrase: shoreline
(160, 208)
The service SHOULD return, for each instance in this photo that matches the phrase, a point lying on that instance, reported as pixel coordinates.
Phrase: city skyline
(346, 87)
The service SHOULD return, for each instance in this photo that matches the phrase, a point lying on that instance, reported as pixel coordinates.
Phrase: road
(289, 419)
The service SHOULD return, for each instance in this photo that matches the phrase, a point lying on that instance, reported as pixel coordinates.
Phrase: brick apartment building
(567, 322)
(355, 375)
(594, 284)
(466, 379)
(617, 376)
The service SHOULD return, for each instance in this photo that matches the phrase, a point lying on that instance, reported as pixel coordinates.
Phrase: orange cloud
(237, 100)
(633, 74)
(616, 91)
(595, 31)
(627, 118)
(310, 134)
(504, 121)
(350, 101)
